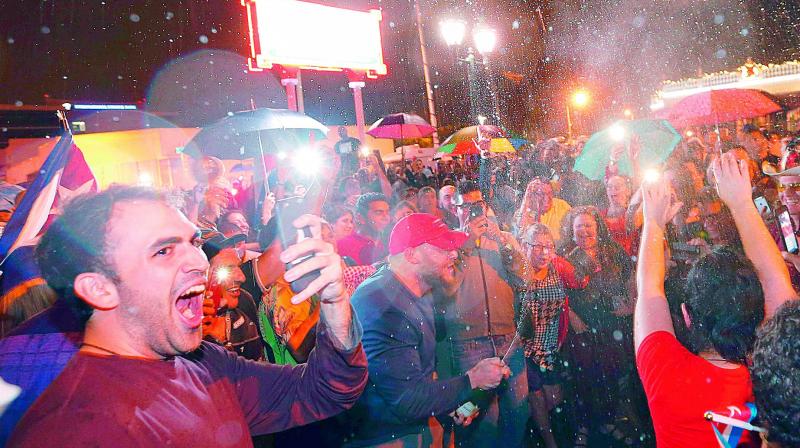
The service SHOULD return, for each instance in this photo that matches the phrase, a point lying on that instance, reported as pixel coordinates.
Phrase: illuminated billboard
(311, 36)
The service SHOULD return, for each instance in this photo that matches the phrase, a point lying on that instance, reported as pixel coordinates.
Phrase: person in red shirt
(365, 246)
(724, 305)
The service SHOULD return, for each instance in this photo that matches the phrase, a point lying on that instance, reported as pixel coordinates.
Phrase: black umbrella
(252, 133)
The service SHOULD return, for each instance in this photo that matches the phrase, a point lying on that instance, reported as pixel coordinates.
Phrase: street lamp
(453, 31)
(579, 99)
(484, 40)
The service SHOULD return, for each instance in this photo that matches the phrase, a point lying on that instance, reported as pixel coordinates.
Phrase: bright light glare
(365, 151)
(627, 113)
(617, 132)
(580, 98)
(689, 133)
(352, 38)
(306, 161)
(281, 155)
(453, 31)
(651, 175)
(222, 273)
(145, 179)
(485, 40)
(481, 120)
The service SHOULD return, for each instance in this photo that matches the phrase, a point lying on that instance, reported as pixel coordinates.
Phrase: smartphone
(787, 230)
(762, 205)
(287, 211)
(467, 409)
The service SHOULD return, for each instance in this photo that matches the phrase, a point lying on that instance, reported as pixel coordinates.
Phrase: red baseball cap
(420, 228)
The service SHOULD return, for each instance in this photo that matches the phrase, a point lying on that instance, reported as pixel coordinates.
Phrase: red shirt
(361, 249)
(681, 387)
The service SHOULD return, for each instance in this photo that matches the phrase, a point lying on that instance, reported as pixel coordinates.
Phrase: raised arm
(652, 311)
(733, 187)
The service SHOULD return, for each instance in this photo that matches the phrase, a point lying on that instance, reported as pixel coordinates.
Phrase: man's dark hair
(363, 202)
(76, 242)
(776, 381)
(725, 302)
(750, 128)
(467, 186)
(224, 226)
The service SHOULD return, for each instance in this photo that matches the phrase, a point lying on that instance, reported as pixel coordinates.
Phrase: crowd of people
(491, 300)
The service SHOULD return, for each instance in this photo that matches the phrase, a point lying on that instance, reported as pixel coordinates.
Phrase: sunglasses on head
(787, 186)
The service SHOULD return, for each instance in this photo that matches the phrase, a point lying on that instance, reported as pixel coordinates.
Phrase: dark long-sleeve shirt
(210, 397)
(400, 342)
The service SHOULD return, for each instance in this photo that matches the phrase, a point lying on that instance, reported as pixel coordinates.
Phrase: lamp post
(579, 99)
(484, 40)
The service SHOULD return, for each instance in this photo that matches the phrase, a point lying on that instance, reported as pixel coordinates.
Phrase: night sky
(186, 57)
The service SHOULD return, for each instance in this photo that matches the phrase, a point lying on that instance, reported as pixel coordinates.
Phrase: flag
(63, 175)
(730, 424)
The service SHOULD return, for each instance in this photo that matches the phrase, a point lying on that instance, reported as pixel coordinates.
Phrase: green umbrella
(657, 139)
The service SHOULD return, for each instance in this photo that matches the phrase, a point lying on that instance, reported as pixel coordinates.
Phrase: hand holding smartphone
(287, 211)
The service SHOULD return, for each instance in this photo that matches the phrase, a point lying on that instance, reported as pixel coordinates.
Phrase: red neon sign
(311, 36)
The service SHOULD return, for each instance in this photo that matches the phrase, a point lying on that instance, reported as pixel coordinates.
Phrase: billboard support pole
(359, 105)
(299, 89)
(291, 93)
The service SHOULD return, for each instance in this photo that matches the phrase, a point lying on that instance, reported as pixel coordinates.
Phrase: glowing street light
(485, 40)
(453, 31)
(580, 98)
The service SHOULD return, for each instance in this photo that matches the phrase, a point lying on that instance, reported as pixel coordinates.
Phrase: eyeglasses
(541, 247)
(789, 186)
(465, 204)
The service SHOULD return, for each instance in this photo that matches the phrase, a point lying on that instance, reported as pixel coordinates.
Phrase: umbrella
(401, 126)
(471, 133)
(718, 106)
(466, 147)
(506, 144)
(657, 139)
(248, 134)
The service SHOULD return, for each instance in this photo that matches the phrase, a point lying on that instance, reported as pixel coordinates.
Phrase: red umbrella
(465, 147)
(718, 106)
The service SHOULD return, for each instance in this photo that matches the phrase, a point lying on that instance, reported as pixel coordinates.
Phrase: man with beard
(129, 264)
(229, 312)
(396, 308)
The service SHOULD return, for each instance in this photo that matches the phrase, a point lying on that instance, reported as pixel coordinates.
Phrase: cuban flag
(729, 425)
(63, 175)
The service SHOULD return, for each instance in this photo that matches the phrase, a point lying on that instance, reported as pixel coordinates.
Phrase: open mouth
(234, 291)
(190, 305)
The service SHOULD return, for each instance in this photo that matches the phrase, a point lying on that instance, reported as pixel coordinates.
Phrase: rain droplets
(169, 15)
(45, 29)
(134, 17)
(203, 39)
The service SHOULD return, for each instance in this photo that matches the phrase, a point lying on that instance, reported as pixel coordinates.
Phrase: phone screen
(787, 229)
(762, 205)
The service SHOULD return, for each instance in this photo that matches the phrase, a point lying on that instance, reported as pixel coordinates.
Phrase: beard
(440, 283)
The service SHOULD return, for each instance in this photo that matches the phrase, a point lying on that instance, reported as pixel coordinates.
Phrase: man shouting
(131, 265)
